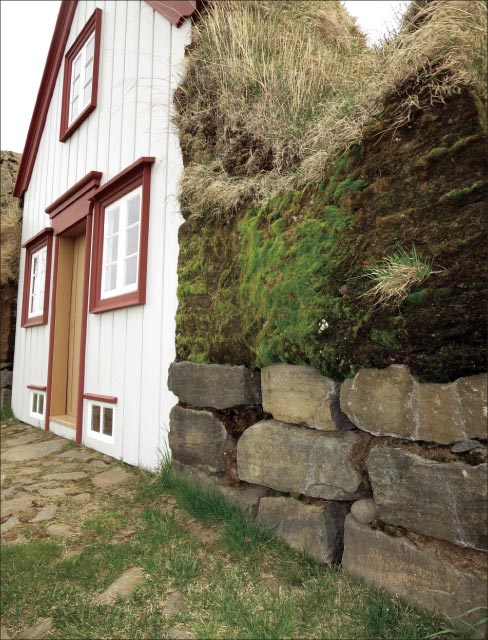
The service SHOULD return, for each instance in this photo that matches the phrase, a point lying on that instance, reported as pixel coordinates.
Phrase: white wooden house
(99, 180)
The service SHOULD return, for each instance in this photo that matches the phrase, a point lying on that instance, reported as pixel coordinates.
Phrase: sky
(26, 30)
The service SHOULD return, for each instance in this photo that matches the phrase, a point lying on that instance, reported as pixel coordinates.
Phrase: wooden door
(76, 306)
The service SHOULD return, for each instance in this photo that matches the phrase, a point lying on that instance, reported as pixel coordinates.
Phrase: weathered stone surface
(296, 459)
(9, 524)
(33, 450)
(438, 499)
(55, 492)
(364, 511)
(214, 385)
(18, 505)
(110, 478)
(464, 446)
(77, 454)
(46, 513)
(316, 529)
(4, 635)
(122, 587)
(81, 498)
(173, 604)
(181, 632)
(67, 476)
(17, 441)
(418, 574)
(37, 632)
(245, 497)
(298, 394)
(389, 402)
(198, 438)
(59, 529)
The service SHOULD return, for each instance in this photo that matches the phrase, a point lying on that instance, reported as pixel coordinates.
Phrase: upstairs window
(120, 239)
(37, 278)
(81, 68)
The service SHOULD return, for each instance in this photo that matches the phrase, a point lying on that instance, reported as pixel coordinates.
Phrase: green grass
(6, 414)
(244, 584)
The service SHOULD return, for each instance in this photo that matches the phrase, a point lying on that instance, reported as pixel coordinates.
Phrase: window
(121, 245)
(37, 279)
(38, 402)
(120, 237)
(101, 421)
(81, 68)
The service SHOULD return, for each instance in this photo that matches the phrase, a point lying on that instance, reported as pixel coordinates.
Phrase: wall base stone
(316, 529)
(416, 573)
(245, 497)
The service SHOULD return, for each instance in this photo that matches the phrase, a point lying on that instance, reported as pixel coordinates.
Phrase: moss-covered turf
(285, 282)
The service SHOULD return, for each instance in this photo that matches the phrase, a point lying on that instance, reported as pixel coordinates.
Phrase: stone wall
(382, 473)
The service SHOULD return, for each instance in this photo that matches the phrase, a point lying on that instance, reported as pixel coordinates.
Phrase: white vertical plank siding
(128, 351)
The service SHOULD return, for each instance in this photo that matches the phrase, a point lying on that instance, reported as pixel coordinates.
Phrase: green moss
(460, 194)
(417, 297)
(385, 338)
(437, 152)
(348, 185)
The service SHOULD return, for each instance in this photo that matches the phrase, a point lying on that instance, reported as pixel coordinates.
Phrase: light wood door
(75, 312)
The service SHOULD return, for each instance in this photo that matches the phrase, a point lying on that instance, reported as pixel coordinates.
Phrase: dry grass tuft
(274, 91)
(396, 275)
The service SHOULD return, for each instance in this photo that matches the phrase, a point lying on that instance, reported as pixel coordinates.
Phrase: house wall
(128, 351)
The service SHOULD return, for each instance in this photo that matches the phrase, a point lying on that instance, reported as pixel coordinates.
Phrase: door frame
(70, 209)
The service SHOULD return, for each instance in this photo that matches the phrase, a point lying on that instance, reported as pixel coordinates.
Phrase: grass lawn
(237, 580)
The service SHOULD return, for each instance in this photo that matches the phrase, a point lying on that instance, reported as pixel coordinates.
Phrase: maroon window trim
(36, 387)
(42, 239)
(98, 398)
(139, 173)
(94, 25)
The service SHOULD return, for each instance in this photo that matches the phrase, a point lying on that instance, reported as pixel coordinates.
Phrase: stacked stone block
(382, 472)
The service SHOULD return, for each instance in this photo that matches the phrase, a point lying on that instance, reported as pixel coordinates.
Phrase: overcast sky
(26, 30)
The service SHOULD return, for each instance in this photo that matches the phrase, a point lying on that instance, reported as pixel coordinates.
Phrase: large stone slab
(245, 497)
(298, 394)
(296, 459)
(122, 587)
(198, 438)
(389, 402)
(33, 450)
(110, 478)
(438, 499)
(214, 385)
(316, 529)
(426, 575)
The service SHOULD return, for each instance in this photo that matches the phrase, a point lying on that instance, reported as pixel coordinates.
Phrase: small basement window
(101, 421)
(38, 402)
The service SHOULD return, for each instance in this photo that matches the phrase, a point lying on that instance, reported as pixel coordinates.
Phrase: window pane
(110, 277)
(74, 109)
(95, 418)
(113, 221)
(108, 415)
(40, 408)
(132, 243)
(75, 89)
(77, 66)
(90, 45)
(34, 403)
(87, 93)
(133, 206)
(35, 264)
(130, 275)
(111, 250)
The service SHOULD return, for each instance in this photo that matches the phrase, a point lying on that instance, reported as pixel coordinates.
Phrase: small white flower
(323, 325)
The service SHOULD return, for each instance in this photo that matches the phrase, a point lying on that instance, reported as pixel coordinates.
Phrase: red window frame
(94, 25)
(136, 175)
(42, 239)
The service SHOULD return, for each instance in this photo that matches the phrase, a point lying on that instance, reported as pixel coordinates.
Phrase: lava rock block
(389, 402)
(317, 530)
(298, 394)
(430, 577)
(214, 385)
(296, 459)
(445, 500)
(198, 438)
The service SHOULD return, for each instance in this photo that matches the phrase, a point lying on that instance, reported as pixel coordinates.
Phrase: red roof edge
(51, 70)
(174, 10)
